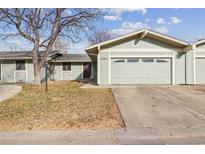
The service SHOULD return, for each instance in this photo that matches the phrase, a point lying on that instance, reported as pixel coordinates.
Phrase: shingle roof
(16, 55)
(28, 55)
(73, 58)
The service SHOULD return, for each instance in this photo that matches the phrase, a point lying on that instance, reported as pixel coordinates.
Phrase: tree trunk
(37, 68)
(37, 74)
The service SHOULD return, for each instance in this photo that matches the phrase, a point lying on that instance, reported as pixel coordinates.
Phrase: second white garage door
(140, 71)
(200, 70)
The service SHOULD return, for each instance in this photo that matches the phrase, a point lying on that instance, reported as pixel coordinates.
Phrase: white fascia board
(199, 42)
(189, 48)
(143, 34)
(169, 38)
(113, 40)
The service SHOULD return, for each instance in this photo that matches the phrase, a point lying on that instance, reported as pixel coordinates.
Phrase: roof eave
(174, 40)
(16, 58)
(115, 39)
(147, 32)
(199, 42)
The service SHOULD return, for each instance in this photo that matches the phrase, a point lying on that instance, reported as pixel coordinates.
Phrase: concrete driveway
(162, 114)
(7, 91)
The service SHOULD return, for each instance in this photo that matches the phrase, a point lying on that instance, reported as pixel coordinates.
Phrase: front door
(86, 70)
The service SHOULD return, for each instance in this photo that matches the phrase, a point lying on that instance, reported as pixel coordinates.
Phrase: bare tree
(98, 36)
(60, 45)
(43, 26)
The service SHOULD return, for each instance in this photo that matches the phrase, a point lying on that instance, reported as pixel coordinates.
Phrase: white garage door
(141, 71)
(200, 70)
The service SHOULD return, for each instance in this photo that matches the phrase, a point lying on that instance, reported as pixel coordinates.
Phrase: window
(148, 60)
(66, 66)
(20, 65)
(132, 60)
(162, 61)
(119, 61)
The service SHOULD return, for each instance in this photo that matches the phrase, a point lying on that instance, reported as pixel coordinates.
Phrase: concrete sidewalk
(58, 137)
(7, 91)
(137, 136)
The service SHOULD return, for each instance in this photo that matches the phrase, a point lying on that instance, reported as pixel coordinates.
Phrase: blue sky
(187, 24)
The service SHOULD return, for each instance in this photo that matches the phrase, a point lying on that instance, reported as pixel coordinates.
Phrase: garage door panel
(141, 72)
(200, 70)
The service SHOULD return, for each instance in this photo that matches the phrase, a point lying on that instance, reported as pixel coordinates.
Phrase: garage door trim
(172, 61)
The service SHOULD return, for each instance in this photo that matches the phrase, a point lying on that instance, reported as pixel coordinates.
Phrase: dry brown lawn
(66, 106)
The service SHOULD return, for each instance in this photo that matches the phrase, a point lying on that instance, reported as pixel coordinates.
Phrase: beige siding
(57, 71)
(30, 72)
(20, 76)
(140, 53)
(8, 70)
(201, 46)
(77, 71)
(180, 68)
(200, 53)
(200, 50)
(144, 43)
(10, 75)
(190, 68)
(104, 71)
(67, 75)
(57, 74)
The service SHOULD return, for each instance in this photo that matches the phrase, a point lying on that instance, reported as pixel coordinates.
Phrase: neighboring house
(148, 57)
(141, 57)
(18, 67)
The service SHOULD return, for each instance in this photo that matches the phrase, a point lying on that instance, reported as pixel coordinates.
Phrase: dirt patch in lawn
(66, 106)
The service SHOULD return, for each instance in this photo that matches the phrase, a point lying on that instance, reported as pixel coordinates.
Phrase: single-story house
(18, 67)
(141, 57)
(148, 57)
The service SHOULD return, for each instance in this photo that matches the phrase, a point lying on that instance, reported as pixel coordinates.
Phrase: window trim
(24, 65)
(70, 66)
